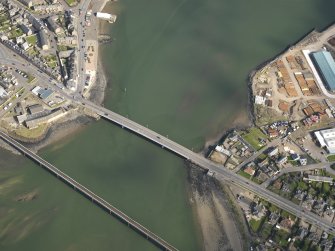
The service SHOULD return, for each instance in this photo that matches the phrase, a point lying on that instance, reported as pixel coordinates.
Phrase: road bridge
(89, 194)
(220, 172)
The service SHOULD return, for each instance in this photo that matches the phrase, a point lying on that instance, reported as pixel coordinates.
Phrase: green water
(179, 67)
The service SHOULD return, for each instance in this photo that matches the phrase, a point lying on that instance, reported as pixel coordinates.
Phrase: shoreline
(220, 226)
(74, 122)
(199, 201)
(211, 200)
(250, 95)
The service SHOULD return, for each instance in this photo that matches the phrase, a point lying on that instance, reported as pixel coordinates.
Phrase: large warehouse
(325, 65)
(326, 139)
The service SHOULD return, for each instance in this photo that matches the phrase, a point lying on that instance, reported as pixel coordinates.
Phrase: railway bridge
(158, 241)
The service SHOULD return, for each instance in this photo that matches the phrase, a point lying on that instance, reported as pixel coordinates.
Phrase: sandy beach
(222, 227)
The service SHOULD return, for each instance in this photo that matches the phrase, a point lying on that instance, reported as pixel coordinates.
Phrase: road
(220, 172)
(255, 155)
(82, 9)
(301, 169)
(297, 169)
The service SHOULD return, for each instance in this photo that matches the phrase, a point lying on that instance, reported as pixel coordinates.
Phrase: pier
(159, 242)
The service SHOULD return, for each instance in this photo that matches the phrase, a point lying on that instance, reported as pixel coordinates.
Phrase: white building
(25, 46)
(326, 139)
(223, 150)
(3, 93)
(259, 100)
(106, 16)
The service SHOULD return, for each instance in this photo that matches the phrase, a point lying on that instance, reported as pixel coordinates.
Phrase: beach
(222, 226)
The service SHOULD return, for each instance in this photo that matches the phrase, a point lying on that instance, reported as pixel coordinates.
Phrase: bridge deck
(220, 172)
(88, 193)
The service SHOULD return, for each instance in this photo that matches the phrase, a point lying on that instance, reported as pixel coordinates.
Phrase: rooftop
(326, 67)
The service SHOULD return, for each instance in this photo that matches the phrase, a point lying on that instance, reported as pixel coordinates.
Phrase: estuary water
(178, 66)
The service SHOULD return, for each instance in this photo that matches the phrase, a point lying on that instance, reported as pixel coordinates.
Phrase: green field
(31, 39)
(71, 2)
(281, 238)
(252, 137)
(255, 225)
(16, 33)
(244, 174)
(331, 157)
(265, 231)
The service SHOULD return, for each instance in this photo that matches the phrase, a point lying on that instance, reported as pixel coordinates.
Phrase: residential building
(282, 160)
(319, 179)
(44, 41)
(67, 40)
(250, 170)
(25, 46)
(26, 29)
(49, 8)
(273, 151)
(52, 21)
(28, 3)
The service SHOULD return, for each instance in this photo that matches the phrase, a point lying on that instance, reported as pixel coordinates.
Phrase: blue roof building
(325, 65)
(45, 93)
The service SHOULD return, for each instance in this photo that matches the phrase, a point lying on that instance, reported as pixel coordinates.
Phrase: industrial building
(326, 139)
(35, 109)
(325, 65)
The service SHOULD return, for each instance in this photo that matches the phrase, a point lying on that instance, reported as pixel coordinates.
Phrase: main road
(220, 172)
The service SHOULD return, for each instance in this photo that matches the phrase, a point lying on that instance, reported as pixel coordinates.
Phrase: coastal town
(55, 40)
(290, 150)
(49, 52)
